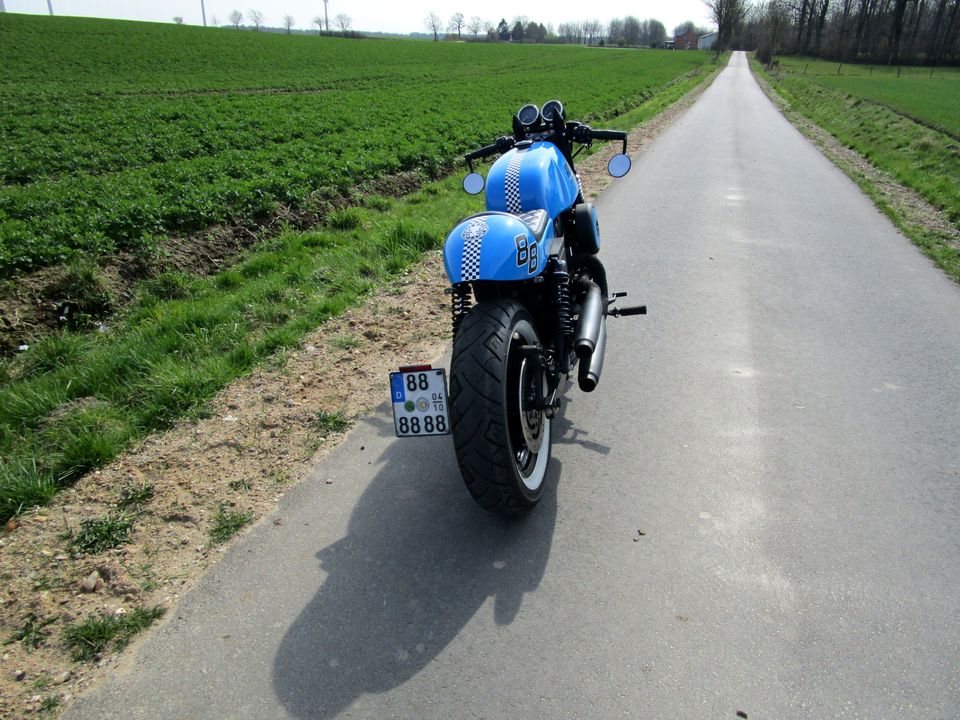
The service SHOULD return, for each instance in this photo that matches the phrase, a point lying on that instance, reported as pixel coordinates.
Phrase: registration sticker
(419, 399)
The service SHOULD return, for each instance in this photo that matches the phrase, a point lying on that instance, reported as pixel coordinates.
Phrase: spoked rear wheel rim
(528, 427)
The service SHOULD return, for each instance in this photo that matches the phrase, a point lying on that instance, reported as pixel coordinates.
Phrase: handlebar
(576, 132)
(585, 134)
(501, 145)
(608, 135)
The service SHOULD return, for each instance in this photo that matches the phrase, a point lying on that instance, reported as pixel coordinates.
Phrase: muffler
(590, 323)
(590, 368)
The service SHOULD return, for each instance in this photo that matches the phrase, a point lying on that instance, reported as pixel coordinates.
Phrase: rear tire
(502, 445)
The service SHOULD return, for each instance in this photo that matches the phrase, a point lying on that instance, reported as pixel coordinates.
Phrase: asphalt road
(782, 428)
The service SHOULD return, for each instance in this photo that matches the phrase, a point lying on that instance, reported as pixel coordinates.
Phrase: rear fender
(494, 246)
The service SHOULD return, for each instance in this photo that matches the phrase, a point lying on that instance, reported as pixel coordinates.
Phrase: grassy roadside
(74, 401)
(920, 158)
(668, 94)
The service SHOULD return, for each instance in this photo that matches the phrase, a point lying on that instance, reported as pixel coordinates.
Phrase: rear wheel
(502, 441)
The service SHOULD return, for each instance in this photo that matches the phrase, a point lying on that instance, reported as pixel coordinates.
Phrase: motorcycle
(529, 302)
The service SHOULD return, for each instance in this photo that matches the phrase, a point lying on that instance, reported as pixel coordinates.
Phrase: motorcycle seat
(535, 220)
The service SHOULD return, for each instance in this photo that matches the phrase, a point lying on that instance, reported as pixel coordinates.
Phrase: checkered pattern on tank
(472, 235)
(513, 182)
(470, 262)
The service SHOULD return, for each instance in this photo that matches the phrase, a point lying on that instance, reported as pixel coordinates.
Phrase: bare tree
(318, 21)
(214, 21)
(178, 19)
(774, 20)
(256, 17)
(235, 17)
(656, 33)
(727, 14)
(631, 30)
(456, 23)
(475, 26)
(342, 21)
(592, 29)
(434, 25)
(288, 23)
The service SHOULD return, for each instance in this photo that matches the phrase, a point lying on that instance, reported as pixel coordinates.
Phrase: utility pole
(2, 8)
(50, 6)
(326, 20)
(203, 12)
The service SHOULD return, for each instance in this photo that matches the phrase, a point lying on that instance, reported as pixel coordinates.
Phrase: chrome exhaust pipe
(590, 323)
(590, 368)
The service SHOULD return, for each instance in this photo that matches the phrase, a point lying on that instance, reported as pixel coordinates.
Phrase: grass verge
(89, 639)
(913, 155)
(227, 523)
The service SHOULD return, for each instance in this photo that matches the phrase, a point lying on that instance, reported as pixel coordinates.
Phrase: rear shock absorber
(561, 287)
(460, 303)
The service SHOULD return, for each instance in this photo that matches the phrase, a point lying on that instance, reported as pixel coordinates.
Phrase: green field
(929, 95)
(118, 133)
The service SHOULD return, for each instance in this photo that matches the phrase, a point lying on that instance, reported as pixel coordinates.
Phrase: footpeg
(635, 310)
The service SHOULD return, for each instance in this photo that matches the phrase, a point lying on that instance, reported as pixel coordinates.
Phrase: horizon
(365, 16)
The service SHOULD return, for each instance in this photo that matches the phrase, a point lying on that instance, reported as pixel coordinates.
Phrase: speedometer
(553, 111)
(528, 115)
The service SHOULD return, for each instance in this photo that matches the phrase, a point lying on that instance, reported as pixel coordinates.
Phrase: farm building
(706, 42)
(687, 41)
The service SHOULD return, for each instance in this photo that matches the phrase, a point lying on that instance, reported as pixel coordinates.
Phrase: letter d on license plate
(419, 399)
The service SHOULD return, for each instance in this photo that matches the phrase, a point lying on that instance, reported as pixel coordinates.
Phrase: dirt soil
(263, 434)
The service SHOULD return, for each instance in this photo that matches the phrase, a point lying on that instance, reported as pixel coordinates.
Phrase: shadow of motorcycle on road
(419, 560)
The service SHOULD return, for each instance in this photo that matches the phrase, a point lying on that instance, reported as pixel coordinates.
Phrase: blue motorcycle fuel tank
(536, 177)
(498, 246)
(527, 188)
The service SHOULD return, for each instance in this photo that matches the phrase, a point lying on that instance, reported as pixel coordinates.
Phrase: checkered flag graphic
(470, 262)
(472, 236)
(513, 182)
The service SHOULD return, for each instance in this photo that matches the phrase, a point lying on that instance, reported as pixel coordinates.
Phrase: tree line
(876, 31)
(621, 32)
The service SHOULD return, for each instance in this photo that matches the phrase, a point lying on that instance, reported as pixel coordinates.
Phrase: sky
(369, 15)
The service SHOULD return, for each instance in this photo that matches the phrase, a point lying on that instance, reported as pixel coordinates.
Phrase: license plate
(419, 399)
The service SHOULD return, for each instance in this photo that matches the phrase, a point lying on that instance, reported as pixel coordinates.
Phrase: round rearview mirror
(473, 183)
(619, 165)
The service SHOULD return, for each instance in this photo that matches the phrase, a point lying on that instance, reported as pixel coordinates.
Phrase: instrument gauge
(528, 115)
(553, 111)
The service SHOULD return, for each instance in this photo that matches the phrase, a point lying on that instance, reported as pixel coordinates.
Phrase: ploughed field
(115, 134)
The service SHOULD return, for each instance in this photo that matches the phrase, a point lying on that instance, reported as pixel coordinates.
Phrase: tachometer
(528, 115)
(553, 112)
